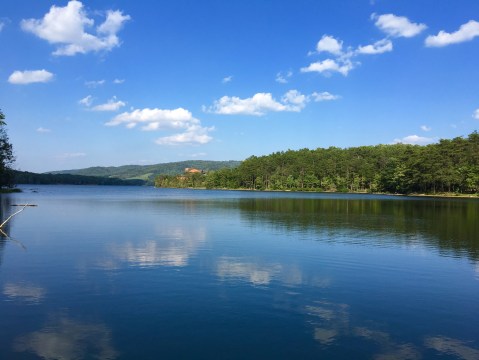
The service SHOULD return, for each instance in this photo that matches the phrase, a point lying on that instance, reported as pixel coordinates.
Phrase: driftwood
(15, 213)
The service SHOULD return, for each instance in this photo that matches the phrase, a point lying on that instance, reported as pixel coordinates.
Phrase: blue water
(143, 273)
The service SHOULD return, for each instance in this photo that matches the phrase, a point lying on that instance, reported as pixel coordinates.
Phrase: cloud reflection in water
(449, 346)
(329, 319)
(173, 248)
(66, 339)
(251, 272)
(25, 292)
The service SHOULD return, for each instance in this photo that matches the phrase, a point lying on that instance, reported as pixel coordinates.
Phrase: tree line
(449, 166)
(25, 177)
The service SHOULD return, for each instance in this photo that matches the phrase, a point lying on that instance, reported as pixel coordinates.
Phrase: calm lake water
(144, 273)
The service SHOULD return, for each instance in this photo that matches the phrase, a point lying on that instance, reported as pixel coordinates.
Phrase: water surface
(143, 273)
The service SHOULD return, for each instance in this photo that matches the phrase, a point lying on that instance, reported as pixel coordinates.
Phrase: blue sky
(116, 82)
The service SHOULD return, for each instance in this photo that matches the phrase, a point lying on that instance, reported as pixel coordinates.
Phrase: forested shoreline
(449, 166)
(25, 177)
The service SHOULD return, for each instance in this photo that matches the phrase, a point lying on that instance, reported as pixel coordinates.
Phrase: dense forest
(25, 177)
(449, 166)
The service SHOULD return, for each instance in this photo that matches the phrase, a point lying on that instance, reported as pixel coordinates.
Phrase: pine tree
(6, 155)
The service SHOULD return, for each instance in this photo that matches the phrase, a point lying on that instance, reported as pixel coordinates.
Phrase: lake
(143, 273)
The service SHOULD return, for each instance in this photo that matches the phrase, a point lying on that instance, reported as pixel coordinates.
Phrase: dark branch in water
(9, 238)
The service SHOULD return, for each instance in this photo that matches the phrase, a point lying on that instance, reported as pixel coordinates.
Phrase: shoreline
(438, 195)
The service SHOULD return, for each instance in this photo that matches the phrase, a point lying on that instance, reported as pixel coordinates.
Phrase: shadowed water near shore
(447, 225)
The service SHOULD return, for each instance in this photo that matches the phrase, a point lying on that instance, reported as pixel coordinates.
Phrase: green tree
(6, 155)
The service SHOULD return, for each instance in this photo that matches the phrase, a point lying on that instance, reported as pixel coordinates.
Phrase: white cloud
(112, 105)
(193, 135)
(30, 76)
(86, 101)
(379, 47)
(259, 104)
(160, 119)
(65, 27)
(94, 83)
(294, 100)
(118, 81)
(397, 26)
(283, 78)
(43, 130)
(466, 32)
(329, 65)
(155, 119)
(414, 140)
(476, 114)
(324, 96)
(2, 24)
(227, 79)
(329, 44)
(425, 128)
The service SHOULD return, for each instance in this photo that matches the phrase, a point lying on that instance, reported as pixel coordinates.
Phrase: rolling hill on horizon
(148, 172)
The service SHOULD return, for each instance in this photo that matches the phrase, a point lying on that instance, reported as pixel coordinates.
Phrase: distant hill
(25, 177)
(148, 173)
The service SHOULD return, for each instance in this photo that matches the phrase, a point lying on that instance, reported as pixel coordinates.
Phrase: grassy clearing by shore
(9, 191)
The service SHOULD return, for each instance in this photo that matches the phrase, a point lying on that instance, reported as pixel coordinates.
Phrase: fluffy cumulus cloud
(30, 76)
(466, 32)
(194, 134)
(166, 119)
(425, 128)
(476, 114)
(67, 28)
(329, 44)
(397, 26)
(340, 64)
(259, 104)
(379, 47)
(414, 140)
(342, 59)
(294, 100)
(111, 105)
(328, 66)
